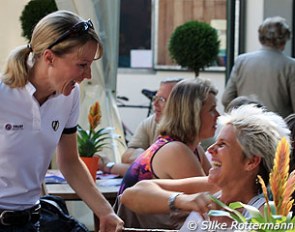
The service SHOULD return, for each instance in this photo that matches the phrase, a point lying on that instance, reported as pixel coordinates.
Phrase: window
(146, 26)
(135, 31)
(173, 13)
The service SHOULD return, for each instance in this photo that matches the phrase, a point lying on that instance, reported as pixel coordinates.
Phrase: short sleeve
(74, 100)
(145, 134)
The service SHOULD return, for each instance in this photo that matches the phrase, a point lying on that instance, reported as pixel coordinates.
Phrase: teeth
(216, 164)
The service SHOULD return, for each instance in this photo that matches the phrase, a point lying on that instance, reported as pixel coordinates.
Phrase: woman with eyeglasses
(39, 104)
(189, 116)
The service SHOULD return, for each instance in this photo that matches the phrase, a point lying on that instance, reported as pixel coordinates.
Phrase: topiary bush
(33, 12)
(194, 45)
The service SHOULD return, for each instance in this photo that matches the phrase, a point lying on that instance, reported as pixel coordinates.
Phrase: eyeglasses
(78, 28)
(159, 99)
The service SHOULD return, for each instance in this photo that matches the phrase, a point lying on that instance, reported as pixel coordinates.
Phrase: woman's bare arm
(76, 174)
(151, 196)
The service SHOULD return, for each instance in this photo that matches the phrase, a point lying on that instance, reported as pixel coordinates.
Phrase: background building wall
(10, 27)
(252, 23)
(268, 8)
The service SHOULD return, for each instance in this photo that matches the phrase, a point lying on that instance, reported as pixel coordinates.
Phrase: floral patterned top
(141, 168)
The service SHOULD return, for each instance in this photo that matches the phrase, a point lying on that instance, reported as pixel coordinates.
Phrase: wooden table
(108, 187)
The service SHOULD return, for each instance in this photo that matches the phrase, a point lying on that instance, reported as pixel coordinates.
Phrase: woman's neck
(241, 191)
(193, 146)
(39, 80)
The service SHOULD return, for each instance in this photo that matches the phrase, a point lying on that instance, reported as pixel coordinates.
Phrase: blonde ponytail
(16, 67)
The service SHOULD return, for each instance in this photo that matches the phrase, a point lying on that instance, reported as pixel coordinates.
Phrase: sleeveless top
(257, 201)
(141, 168)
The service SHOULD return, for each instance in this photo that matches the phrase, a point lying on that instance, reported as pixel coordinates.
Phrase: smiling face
(71, 68)
(208, 116)
(228, 161)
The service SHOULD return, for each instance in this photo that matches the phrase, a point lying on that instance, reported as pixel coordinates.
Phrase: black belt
(21, 217)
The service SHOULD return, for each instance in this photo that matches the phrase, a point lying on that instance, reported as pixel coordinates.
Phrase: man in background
(267, 73)
(145, 134)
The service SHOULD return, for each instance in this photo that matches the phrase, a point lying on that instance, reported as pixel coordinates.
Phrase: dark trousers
(29, 227)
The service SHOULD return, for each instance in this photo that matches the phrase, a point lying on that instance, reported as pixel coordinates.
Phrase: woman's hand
(199, 202)
(110, 223)
(103, 160)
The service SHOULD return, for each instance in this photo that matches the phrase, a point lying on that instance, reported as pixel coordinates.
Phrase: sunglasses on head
(78, 28)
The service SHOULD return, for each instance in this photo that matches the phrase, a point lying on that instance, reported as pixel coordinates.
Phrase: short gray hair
(274, 32)
(171, 80)
(258, 131)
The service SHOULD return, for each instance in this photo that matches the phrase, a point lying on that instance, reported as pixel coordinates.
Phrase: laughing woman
(39, 105)
(245, 148)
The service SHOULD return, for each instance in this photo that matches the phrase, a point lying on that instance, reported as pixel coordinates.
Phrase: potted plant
(92, 141)
(277, 213)
(194, 45)
(35, 10)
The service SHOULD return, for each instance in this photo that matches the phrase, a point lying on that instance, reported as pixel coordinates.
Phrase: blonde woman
(39, 104)
(189, 116)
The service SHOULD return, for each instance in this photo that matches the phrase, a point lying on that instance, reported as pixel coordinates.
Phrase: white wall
(253, 21)
(267, 8)
(10, 27)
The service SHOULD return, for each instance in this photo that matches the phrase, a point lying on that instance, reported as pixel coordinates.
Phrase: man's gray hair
(274, 32)
(172, 80)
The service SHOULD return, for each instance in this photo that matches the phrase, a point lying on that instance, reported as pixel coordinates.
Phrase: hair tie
(29, 46)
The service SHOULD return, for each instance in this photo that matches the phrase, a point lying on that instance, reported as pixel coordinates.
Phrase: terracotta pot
(92, 165)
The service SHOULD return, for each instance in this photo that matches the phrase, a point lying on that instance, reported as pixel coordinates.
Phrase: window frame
(155, 45)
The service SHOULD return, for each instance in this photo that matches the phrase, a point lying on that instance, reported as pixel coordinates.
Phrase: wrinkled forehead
(227, 132)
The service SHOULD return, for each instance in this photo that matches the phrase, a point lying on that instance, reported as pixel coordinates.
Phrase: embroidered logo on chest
(9, 127)
(55, 125)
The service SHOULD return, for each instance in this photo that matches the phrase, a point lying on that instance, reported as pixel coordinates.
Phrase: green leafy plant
(277, 214)
(194, 45)
(34, 11)
(91, 142)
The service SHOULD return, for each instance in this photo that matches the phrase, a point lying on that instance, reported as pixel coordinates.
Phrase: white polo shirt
(29, 134)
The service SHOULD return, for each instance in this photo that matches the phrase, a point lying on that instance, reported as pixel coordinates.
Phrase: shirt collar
(30, 88)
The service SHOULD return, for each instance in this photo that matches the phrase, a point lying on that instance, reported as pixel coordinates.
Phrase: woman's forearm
(146, 197)
(188, 185)
(151, 196)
